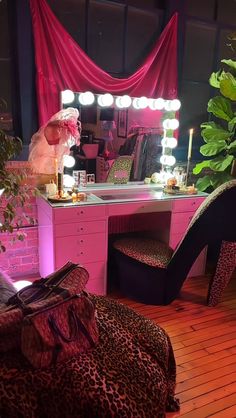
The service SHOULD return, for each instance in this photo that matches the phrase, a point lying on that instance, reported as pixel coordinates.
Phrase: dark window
(142, 28)
(105, 35)
(71, 13)
(199, 51)
(200, 8)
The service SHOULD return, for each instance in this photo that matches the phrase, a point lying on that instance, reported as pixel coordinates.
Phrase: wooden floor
(204, 342)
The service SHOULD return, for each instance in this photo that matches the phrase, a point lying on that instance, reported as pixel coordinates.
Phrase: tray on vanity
(57, 199)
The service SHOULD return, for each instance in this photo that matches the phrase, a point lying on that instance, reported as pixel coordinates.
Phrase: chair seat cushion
(145, 250)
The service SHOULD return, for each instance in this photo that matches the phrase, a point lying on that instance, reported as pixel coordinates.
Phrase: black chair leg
(225, 267)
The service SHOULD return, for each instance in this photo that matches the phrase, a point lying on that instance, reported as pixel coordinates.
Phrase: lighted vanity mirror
(115, 126)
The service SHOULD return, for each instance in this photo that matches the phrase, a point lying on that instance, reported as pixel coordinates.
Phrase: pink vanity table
(79, 231)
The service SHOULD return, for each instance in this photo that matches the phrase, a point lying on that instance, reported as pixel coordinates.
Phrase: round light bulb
(152, 104)
(68, 161)
(119, 102)
(170, 160)
(125, 101)
(89, 98)
(108, 99)
(68, 181)
(175, 105)
(67, 96)
(173, 124)
(81, 99)
(166, 123)
(143, 102)
(163, 159)
(167, 105)
(136, 103)
(169, 142)
(159, 103)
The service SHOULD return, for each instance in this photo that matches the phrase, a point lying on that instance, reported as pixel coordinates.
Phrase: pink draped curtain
(61, 64)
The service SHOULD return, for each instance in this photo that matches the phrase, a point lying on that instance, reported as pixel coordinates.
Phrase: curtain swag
(61, 64)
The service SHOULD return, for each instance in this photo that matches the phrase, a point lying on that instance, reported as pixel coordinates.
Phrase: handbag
(41, 294)
(70, 279)
(59, 332)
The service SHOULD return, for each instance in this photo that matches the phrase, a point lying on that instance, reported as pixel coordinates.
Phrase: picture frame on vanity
(122, 122)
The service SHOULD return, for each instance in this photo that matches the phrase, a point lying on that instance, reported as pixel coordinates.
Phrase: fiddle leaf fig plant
(219, 135)
(14, 194)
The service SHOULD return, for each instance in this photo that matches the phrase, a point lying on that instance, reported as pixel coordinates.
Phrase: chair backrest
(120, 169)
(214, 200)
(214, 221)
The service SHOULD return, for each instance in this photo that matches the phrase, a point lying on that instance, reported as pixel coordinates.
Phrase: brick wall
(21, 257)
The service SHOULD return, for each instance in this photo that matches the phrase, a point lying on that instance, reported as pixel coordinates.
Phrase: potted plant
(219, 134)
(14, 194)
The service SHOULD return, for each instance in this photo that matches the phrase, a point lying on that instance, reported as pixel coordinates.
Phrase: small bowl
(90, 150)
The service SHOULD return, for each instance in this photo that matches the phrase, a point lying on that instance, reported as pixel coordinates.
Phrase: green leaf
(231, 124)
(219, 178)
(230, 63)
(232, 146)
(228, 87)
(214, 80)
(215, 134)
(203, 183)
(221, 108)
(209, 125)
(212, 148)
(221, 163)
(199, 167)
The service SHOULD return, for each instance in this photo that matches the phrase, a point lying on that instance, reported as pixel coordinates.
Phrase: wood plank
(204, 343)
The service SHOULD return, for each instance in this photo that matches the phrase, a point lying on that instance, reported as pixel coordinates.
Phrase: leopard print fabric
(206, 203)
(224, 270)
(210, 199)
(147, 251)
(120, 169)
(130, 373)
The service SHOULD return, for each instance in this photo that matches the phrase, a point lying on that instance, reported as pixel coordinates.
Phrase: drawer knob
(81, 212)
(81, 241)
(81, 253)
(81, 229)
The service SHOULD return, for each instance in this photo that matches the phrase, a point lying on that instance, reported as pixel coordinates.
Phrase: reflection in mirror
(114, 126)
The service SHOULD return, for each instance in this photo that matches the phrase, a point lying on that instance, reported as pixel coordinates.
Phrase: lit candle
(190, 142)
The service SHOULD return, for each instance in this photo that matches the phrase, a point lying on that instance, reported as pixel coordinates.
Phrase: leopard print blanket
(130, 373)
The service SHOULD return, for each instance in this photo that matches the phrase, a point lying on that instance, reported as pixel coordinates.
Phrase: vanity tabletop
(105, 193)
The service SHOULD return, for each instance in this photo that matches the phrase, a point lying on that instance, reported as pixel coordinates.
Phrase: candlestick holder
(60, 184)
(187, 171)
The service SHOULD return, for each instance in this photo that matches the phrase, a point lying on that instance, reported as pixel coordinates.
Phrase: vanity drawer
(180, 222)
(97, 277)
(63, 230)
(83, 249)
(187, 205)
(96, 270)
(75, 214)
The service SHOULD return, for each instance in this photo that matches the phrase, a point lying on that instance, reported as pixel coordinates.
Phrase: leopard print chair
(151, 272)
(120, 170)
